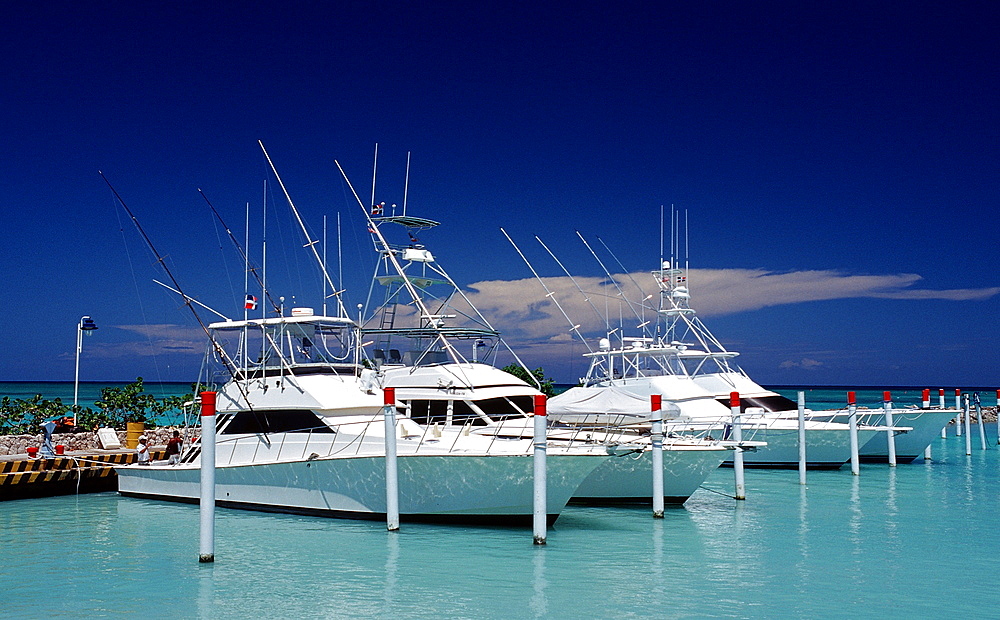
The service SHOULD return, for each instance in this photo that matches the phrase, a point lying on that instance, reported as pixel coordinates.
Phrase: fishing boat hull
(628, 478)
(924, 424)
(442, 488)
(827, 445)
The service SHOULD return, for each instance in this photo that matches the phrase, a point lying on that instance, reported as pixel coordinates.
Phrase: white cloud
(156, 339)
(805, 363)
(524, 312)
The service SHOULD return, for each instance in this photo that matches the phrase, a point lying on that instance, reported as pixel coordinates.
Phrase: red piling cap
(927, 394)
(958, 392)
(389, 396)
(655, 402)
(734, 399)
(540, 404)
(886, 396)
(850, 398)
(941, 392)
(207, 403)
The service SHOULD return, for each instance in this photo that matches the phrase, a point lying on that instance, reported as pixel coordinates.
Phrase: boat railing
(353, 442)
(349, 439)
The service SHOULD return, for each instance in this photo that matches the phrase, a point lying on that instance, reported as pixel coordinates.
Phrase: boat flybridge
(433, 346)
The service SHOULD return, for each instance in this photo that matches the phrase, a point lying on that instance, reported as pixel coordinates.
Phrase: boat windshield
(277, 344)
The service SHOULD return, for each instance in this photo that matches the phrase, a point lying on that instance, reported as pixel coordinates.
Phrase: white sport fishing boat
(669, 358)
(687, 460)
(924, 424)
(432, 345)
(708, 363)
(686, 348)
(300, 428)
(642, 367)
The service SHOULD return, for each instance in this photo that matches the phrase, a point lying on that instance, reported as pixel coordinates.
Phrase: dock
(77, 471)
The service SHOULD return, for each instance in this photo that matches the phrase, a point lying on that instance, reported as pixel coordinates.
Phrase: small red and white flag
(251, 303)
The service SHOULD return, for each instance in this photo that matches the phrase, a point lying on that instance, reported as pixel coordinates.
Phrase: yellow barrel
(133, 430)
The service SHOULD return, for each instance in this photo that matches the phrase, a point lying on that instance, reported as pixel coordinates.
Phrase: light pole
(86, 324)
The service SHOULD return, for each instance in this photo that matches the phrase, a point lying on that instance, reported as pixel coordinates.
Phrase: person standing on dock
(143, 451)
(48, 451)
(174, 448)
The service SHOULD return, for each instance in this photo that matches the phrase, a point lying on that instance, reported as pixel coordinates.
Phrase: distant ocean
(817, 397)
(89, 391)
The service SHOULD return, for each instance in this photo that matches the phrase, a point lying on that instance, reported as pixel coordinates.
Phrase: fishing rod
(193, 300)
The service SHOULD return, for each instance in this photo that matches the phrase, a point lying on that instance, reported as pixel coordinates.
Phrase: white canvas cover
(604, 404)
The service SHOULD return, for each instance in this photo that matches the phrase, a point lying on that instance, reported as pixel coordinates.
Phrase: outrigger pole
(163, 264)
(575, 328)
(223, 356)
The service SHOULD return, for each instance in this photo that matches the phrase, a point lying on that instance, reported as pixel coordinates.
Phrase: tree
(174, 405)
(537, 376)
(126, 404)
(26, 415)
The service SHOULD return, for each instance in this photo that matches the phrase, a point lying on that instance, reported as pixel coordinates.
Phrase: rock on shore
(19, 444)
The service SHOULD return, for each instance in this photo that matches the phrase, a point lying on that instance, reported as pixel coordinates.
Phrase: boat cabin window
(767, 403)
(436, 411)
(275, 421)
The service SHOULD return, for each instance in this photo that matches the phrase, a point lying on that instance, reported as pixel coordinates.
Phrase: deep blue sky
(855, 139)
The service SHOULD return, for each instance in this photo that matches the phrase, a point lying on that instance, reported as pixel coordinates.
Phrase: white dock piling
(968, 437)
(958, 406)
(655, 403)
(852, 421)
(540, 513)
(926, 404)
(944, 429)
(206, 501)
(391, 464)
(802, 437)
(890, 434)
(979, 420)
(734, 409)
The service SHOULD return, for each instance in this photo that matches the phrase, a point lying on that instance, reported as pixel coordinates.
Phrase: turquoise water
(916, 540)
(88, 392)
